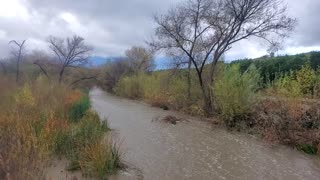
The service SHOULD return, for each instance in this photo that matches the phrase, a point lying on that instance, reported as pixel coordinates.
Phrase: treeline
(66, 63)
(272, 67)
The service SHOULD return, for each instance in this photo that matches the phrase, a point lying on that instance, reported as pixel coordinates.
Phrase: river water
(194, 149)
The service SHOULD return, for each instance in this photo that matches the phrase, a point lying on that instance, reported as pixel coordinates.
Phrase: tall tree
(206, 29)
(17, 52)
(71, 52)
(140, 59)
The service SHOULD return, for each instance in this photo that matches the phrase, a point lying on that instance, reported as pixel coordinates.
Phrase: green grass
(86, 147)
(78, 109)
(307, 148)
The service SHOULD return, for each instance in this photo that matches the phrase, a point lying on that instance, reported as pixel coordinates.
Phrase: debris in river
(168, 119)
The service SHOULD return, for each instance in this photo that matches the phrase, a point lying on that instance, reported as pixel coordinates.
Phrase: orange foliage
(288, 121)
(53, 125)
(72, 97)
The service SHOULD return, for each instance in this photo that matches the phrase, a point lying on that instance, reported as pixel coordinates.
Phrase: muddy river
(194, 149)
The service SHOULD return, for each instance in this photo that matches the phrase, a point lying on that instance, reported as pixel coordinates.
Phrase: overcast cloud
(112, 26)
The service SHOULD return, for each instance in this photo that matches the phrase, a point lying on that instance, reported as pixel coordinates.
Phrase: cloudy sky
(112, 26)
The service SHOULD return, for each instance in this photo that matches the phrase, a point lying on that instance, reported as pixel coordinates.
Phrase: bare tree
(140, 59)
(43, 70)
(17, 52)
(71, 52)
(206, 29)
(42, 60)
(3, 66)
(114, 70)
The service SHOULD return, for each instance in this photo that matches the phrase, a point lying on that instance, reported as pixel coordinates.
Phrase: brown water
(194, 149)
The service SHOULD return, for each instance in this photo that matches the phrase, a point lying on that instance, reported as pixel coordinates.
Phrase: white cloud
(14, 9)
(297, 50)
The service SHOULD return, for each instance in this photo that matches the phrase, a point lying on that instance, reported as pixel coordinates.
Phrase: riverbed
(193, 149)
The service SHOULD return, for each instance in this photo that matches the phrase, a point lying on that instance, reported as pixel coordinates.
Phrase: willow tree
(204, 30)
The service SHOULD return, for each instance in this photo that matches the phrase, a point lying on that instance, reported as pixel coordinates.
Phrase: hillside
(270, 67)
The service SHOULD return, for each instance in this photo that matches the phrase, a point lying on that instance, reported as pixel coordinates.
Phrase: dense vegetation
(45, 115)
(271, 67)
(283, 109)
(40, 122)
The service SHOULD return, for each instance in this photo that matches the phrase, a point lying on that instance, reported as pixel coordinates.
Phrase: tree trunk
(42, 69)
(18, 68)
(4, 69)
(213, 68)
(208, 105)
(189, 81)
(61, 75)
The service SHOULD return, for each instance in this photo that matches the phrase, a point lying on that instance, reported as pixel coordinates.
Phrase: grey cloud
(112, 26)
(307, 33)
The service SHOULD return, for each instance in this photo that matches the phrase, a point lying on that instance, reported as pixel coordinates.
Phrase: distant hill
(95, 61)
(98, 61)
(270, 67)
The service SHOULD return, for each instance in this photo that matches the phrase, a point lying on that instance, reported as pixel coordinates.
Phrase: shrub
(35, 124)
(100, 158)
(289, 121)
(24, 96)
(234, 93)
(79, 108)
(287, 86)
(155, 91)
(130, 87)
(301, 83)
(309, 149)
(90, 130)
(306, 77)
(21, 154)
(162, 89)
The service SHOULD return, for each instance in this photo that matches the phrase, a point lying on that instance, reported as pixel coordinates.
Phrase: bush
(289, 121)
(306, 77)
(234, 93)
(309, 149)
(130, 87)
(22, 155)
(99, 159)
(162, 89)
(79, 108)
(88, 132)
(301, 83)
(286, 86)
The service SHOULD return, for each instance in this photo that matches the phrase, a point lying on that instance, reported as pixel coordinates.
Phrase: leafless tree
(42, 60)
(3, 66)
(17, 52)
(206, 29)
(71, 52)
(43, 70)
(140, 59)
(114, 70)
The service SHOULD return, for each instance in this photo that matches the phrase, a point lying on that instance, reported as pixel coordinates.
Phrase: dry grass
(289, 121)
(35, 126)
(100, 158)
(21, 154)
